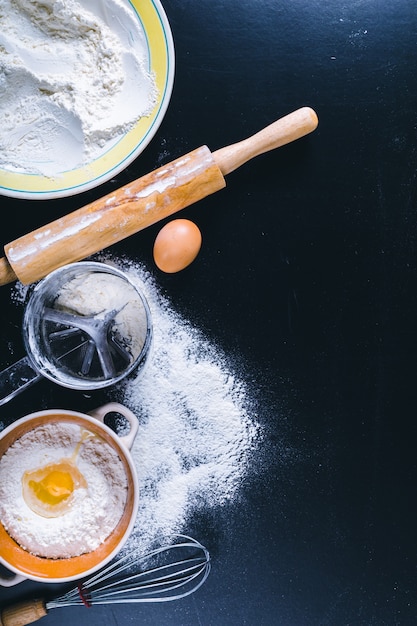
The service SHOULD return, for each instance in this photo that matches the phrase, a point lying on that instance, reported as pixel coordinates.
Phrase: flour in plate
(73, 80)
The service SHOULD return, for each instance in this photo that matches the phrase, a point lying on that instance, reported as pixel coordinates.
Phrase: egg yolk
(48, 490)
(52, 489)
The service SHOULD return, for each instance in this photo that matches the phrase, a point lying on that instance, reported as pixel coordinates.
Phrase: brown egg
(176, 245)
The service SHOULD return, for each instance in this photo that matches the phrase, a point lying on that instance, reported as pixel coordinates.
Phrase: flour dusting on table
(198, 430)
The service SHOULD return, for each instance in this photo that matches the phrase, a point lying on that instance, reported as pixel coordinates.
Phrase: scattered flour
(198, 433)
(73, 79)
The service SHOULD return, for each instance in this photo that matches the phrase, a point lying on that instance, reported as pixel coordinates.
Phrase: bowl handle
(10, 581)
(114, 407)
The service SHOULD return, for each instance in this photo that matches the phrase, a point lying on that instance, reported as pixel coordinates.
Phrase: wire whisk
(167, 572)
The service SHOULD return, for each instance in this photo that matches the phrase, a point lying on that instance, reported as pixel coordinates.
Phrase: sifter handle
(16, 378)
(22, 613)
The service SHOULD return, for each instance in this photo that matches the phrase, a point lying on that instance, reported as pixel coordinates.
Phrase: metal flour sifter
(85, 327)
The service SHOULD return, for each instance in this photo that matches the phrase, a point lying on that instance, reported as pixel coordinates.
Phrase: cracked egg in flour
(63, 490)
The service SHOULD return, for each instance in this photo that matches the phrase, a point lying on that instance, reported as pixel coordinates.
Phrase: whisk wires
(168, 572)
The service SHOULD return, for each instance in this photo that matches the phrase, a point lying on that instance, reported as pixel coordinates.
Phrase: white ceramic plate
(151, 36)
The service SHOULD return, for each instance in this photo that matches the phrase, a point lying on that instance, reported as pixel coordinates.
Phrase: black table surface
(307, 275)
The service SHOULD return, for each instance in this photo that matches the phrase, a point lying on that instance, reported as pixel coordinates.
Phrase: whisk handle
(22, 613)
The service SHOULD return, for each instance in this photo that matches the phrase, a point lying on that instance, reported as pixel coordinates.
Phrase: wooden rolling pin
(142, 203)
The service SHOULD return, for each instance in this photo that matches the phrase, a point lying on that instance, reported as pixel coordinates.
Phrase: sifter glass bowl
(86, 326)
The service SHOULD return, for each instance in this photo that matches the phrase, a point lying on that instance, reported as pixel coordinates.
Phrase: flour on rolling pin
(143, 202)
(71, 81)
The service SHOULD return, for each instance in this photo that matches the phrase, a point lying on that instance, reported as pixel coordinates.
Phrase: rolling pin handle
(7, 274)
(293, 126)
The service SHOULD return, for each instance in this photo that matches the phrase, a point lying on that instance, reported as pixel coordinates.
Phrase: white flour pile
(198, 432)
(73, 79)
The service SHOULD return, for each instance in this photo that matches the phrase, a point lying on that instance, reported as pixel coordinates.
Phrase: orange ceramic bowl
(25, 565)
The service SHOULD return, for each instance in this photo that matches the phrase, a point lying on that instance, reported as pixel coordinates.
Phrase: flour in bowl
(73, 80)
(63, 490)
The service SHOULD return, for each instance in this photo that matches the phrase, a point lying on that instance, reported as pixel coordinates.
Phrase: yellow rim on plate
(161, 62)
